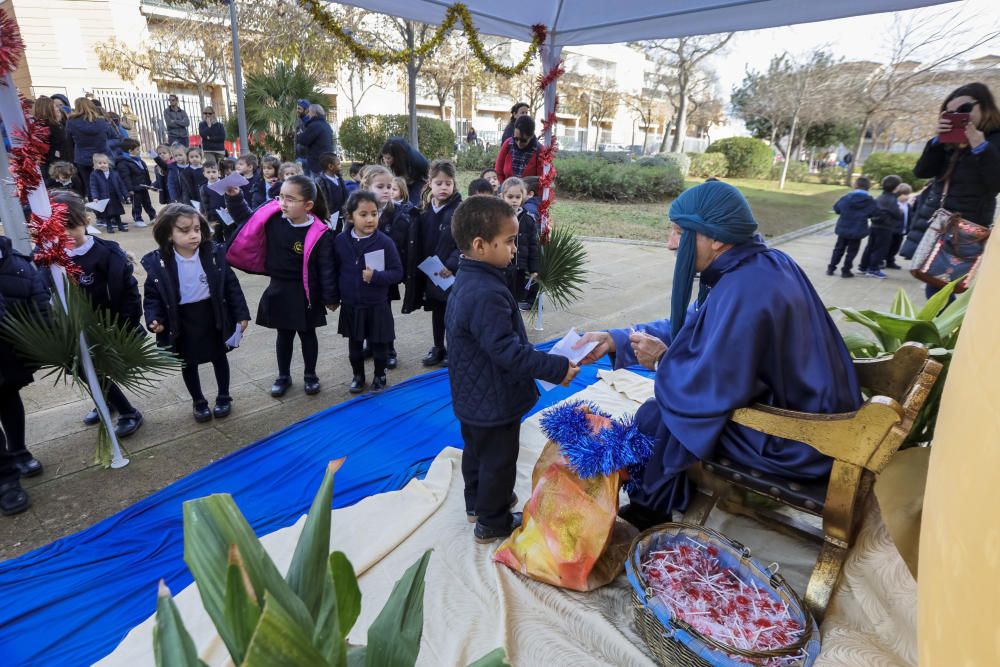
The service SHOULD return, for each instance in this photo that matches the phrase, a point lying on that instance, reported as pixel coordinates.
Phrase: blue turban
(716, 210)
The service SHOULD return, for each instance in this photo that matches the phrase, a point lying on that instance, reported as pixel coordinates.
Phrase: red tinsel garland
(11, 44)
(52, 240)
(547, 154)
(30, 146)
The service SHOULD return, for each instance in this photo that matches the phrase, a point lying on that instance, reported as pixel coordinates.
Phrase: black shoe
(830, 272)
(846, 274)
(128, 424)
(357, 384)
(13, 499)
(391, 361)
(110, 229)
(642, 517)
(471, 514)
(30, 468)
(123, 227)
(444, 359)
(312, 384)
(486, 534)
(93, 417)
(433, 357)
(523, 305)
(893, 266)
(223, 406)
(378, 383)
(280, 386)
(201, 412)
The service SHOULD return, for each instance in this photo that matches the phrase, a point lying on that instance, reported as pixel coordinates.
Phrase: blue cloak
(761, 335)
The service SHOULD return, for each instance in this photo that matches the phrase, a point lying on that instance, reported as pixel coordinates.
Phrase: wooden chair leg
(824, 578)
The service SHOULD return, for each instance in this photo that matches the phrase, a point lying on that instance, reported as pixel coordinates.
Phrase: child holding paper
(135, 175)
(106, 184)
(218, 207)
(430, 236)
(193, 177)
(367, 266)
(492, 366)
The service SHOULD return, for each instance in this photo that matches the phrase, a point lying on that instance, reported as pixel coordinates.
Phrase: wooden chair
(861, 443)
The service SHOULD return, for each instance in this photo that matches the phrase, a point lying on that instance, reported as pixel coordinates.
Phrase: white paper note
(432, 266)
(196, 204)
(375, 259)
(564, 348)
(98, 205)
(236, 338)
(225, 217)
(233, 180)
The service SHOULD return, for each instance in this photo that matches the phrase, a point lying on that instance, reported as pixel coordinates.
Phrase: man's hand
(605, 345)
(648, 349)
(156, 327)
(570, 374)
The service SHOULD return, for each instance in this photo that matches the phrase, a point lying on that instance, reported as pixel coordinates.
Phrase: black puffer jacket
(491, 364)
(20, 283)
(974, 184)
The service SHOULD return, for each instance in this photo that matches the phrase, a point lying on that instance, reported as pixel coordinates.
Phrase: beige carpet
(472, 606)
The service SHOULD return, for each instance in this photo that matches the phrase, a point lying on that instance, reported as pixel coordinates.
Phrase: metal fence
(149, 107)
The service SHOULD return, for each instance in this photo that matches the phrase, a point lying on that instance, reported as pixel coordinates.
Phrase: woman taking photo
(969, 168)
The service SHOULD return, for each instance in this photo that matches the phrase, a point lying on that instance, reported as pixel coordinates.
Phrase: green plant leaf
(937, 302)
(172, 645)
(495, 658)
(357, 656)
(211, 525)
(241, 609)
(902, 305)
(924, 332)
(345, 584)
(394, 636)
(888, 342)
(562, 270)
(861, 347)
(339, 611)
(950, 320)
(280, 639)
(308, 570)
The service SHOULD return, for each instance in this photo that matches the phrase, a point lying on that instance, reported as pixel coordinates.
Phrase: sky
(855, 38)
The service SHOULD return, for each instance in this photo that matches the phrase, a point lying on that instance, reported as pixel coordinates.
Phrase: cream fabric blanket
(472, 605)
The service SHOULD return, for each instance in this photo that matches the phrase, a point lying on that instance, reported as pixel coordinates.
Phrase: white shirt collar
(436, 208)
(354, 234)
(82, 250)
(180, 258)
(298, 225)
(335, 179)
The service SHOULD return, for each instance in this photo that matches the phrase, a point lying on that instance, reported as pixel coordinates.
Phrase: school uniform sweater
(430, 234)
(349, 258)
(107, 278)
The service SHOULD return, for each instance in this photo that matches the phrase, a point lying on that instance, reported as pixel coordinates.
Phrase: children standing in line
(903, 192)
(135, 175)
(162, 161)
(400, 191)
(331, 184)
(63, 175)
(107, 184)
(889, 222)
(491, 176)
(288, 241)
(193, 301)
(854, 209)
(270, 171)
(193, 177)
(492, 366)
(362, 291)
(212, 202)
(106, 277)
(430, 235)
(524, 268)
(480, 186)
(253, 192)
(175, 174)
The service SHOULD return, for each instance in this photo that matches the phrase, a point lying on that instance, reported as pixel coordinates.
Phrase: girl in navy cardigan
(105, 183)
(363, 291)
(430, 234)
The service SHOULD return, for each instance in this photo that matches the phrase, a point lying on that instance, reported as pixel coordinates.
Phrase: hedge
(362, 137)
(597, 179)
(679, 160)
(879, 165)
(797, 171)
(747, 157)
(708, 165)
(616, 157)
(477, 158)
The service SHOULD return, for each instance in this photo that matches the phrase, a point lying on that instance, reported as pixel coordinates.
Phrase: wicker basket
(674, 642)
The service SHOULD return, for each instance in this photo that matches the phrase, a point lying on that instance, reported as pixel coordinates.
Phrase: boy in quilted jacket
(492, 365)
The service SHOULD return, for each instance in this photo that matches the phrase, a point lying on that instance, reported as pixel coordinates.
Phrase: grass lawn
(778, 211)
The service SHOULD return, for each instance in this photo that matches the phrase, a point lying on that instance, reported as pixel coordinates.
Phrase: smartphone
(956, 135)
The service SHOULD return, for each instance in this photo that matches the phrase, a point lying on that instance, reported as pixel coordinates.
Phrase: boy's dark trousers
(489, 467)
(112, 222)
(894, 246)
(141, 202)
(879, 242)
(848, 246)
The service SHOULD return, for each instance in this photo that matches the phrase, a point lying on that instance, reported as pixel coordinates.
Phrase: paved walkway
(628, 284)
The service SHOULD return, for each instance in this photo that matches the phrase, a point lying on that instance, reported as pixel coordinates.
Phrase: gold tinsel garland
(454, 14)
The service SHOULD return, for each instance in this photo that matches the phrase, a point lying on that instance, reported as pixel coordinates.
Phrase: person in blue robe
(757, 333)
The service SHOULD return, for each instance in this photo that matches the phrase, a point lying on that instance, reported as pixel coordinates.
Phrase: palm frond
(562, 270)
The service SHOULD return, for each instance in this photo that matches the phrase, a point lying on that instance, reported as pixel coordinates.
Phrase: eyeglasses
(967, 107)
(285, 199)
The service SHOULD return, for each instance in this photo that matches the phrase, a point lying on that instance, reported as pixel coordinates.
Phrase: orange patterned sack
(570, 535)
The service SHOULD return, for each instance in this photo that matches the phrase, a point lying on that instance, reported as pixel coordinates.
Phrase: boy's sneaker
(123, 226)
(875, 273)
(110, 229)
(846, 274)
(139, 223)
(487, 534)
(523, 305)
(893, 266)
(831, 270)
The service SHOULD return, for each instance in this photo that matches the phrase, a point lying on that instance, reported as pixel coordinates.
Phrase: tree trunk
(666, 135)
(597, 134)
(774, 131)
(788, 157)
(411, 77)
(857, 152)
(681, 130)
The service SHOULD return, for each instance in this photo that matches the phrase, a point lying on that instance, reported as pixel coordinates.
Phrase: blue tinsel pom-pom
(620, 445)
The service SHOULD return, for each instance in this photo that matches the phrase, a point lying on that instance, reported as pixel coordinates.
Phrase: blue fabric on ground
(72, 601)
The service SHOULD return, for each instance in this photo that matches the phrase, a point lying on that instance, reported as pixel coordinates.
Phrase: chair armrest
(851, 437)
(892, 376)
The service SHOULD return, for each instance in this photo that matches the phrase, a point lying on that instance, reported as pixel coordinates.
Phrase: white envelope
(432, 267)
(564, 348)
(375, 259)
(233, 180)
(236, 338)
(196, 204)
(98, 205)
(225, 217)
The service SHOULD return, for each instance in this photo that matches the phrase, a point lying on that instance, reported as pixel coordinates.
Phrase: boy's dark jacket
(161, 292)
(855, 208)
(527, 257)
(115, 287)
(132, 170)
(892, 217)
(20, 283)
(491, 364)
(107, 187)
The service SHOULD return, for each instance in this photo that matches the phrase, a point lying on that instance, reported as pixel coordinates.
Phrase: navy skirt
(200, 340)
(371, 323)
(284, 306)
